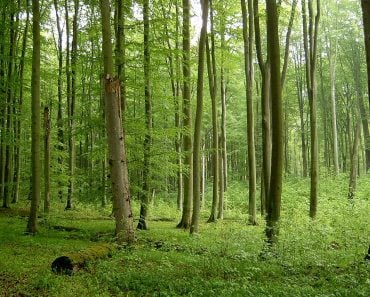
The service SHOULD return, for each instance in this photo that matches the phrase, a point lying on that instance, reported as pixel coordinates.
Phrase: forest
(184, 148)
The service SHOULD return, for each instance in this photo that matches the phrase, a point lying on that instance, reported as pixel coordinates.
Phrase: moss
(72, 262)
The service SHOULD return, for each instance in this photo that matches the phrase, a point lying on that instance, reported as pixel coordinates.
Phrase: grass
(313, 258)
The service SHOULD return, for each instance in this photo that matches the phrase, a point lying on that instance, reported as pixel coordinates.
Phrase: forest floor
(324, 257)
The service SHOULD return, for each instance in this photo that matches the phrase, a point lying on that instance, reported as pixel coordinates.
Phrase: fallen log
(72, 262)
(65, 228)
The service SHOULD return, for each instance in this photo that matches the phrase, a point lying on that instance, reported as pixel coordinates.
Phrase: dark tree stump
(72, 262)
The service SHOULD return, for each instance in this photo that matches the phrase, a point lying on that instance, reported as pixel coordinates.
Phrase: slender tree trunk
(146, 192)
(359, 93)
(60, 146)
(266, 111)
(299, 84)
(204, 173)
(332, 74)
(68, 79)
(2, 95)
(221, 202)
(120, 51)
(248, 33)
(35, 121)
(287, 43)
(273, 49)
(10, 86)
(198, 122)
(188, 143)
(212, 76)
(223, 146)
(174, 71)
(354, 162)
(223, 118)
(310, 46)
(47, 128)
(18, 126)
(365, 4)
(116, 144)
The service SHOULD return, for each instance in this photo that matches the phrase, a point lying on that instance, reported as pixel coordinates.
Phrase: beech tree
(212, 78)
(32, 227)
(145, 195)
(273, 49)
(248, 33)
(198, 121)
(366, 24)
(310, 34)
(116, 144)
(188, 139)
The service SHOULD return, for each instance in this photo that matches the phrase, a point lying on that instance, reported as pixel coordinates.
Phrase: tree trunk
(310, 47)
(248, 33)
(223, 117)
(10, 86)
(273, 49)
(60, 146)
(359, 93)
(299, 86)
(174, 71)
(3, 95)
(266, 111)
(68, 79)
(188, 143)
(332, 78)
(18, 126)
(212, 77)
(35, 121)
(120, 57)
(116, 144)
(72, 262)
(146, 192)
(354, 162)
(47, 128)
(198, 122)
(287, 43)
(365, 4)
(221, 199)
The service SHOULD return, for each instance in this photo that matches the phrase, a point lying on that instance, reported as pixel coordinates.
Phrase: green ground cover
(313, 258)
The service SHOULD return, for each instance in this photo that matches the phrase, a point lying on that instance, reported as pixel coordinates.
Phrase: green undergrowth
(323, 257)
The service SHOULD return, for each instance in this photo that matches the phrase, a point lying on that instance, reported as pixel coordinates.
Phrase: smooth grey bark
(212, 77)
(287, 43)
(332, 62)
(146, 190)
(248, 33)
(194, 227)
(60, 145)
(188, 140)
(264, 67)
(223, 89)
(354, 162)
(310, 48)
(174, 72)
(301, 106)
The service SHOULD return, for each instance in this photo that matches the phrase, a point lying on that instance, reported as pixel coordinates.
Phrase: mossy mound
(72, 262)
